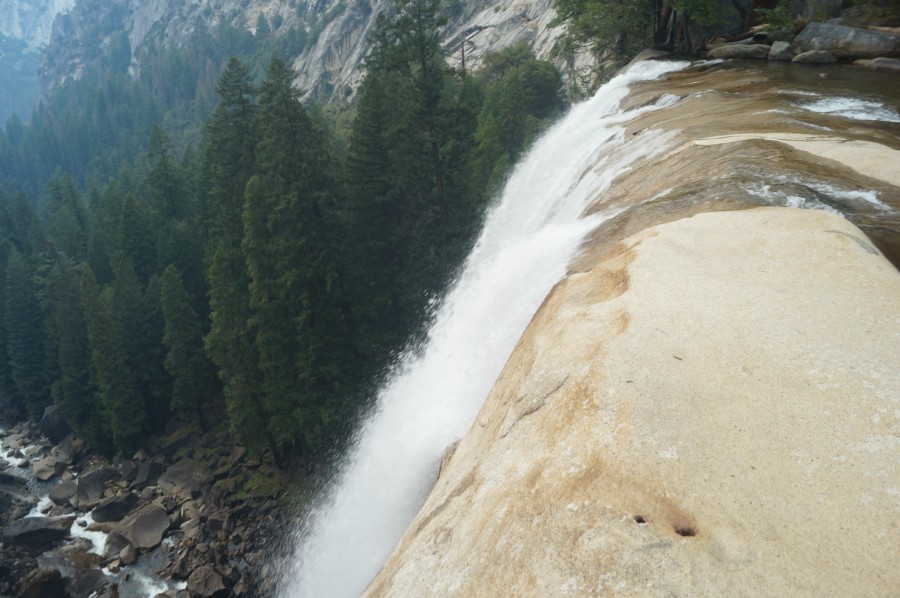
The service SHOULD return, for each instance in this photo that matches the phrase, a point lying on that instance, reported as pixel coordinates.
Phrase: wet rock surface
(36, 534)
(182, 511)
(846, 42)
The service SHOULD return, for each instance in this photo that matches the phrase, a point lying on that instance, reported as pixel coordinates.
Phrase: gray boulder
(145, 527)
(206, 581)
(781, 51)
(128, 555)
(63, 492)
(92, 484)
(115, 508)
(54, 425)
(148, 473)
(815, 57)
(740, 51)
(88, 583)
(115, 542)
(846, 42)
(181, 481)
(45, 582)
(889, 65)
(129, 470)
(36, 534)
(47, 469)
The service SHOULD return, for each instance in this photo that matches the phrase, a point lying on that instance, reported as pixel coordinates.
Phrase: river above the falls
(752, 133)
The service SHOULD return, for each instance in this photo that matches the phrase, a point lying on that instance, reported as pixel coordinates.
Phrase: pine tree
(288, 208)
(230, 343)
(412, 208)
(186, 360)
(73, 390)
(25, 338)
(67, 216)
(116, 382)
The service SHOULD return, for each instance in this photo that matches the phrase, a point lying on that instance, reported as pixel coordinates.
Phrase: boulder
(218, 524)
(846, 42)
(815, 57)
(128, 555)
(115, 542)
(47, 469)
(649, 54)
(54, 425)
(206, 581)
(706, 409)
(36, 533)
(781, 51)
(65, 450)
(889, 65)
(147, 474)
(115, 508)
(740, 51)
(129, 470)
(145, 527)
(238, 455)
(92, 484)
(181, 481)
(43, 583)
(63, 492)
(88, 582)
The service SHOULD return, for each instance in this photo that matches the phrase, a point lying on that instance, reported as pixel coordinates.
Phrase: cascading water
(528, 238)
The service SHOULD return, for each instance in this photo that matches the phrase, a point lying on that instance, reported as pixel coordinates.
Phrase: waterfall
(529, 236)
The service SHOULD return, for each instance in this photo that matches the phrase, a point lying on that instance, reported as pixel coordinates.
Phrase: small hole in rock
(639, 519)
(685, 530)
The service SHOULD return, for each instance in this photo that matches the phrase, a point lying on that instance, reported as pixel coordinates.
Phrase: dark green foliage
(274, 271)
(412, 202)
(230, 343)
(73, 390)
(67, 217)
(117, 385)
(620, 26)
(289, 207)
(522, 95)
(24, 335)
(186, 361)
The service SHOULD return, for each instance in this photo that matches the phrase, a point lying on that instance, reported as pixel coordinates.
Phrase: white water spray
(528, 239)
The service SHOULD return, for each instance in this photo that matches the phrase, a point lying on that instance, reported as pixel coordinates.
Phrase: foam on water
(435, 392)
(853, 108)
(97, 539)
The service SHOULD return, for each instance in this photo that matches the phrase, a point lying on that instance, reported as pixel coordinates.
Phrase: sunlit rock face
(328, 67)
(331, 66)
(709, 409)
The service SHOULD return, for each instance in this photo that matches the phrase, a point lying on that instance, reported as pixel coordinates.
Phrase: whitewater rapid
(529, 236)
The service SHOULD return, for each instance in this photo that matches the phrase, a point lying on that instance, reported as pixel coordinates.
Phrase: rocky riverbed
(181, 519)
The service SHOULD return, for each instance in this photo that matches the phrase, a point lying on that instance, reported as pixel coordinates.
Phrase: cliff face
(29, 20)
(477, 26)
(336, 29)
(25, 27)
(710, 409)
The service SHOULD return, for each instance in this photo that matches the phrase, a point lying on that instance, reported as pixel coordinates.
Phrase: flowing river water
(661, 141)
(137, 581)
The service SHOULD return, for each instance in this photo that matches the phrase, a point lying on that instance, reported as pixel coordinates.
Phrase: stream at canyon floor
(141, 579)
